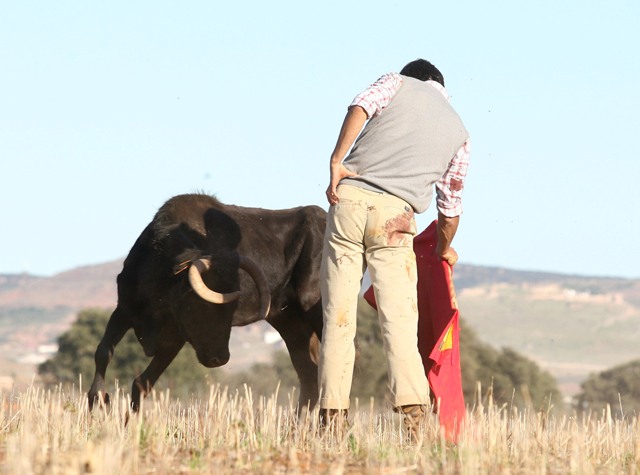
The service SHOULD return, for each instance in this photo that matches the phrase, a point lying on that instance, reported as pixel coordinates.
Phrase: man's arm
(351, 127)
(447, 228)
(449, 202)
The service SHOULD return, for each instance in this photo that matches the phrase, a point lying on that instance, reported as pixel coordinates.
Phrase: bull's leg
(301, 341)
(143, 384)
(116, 328)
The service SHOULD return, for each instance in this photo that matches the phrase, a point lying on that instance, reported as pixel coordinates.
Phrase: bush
(618, 387)
(508, 376)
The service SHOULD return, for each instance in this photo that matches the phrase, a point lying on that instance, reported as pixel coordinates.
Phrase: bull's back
(287, 244)
(276, 236)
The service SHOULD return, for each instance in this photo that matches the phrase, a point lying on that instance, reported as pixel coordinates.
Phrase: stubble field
(51, 432)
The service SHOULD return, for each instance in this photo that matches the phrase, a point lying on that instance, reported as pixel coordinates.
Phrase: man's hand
(447, 228)
(450, 255)
(338, 172)
(351, 127)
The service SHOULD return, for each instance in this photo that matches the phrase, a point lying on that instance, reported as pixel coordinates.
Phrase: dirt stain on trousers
(398, 229)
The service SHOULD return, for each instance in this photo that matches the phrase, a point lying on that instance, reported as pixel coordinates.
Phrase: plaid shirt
(448, 188)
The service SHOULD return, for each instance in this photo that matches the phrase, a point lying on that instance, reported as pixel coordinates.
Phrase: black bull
(189, 256)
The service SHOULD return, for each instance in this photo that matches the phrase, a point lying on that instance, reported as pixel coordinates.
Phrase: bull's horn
(195, 279)
(260, 279)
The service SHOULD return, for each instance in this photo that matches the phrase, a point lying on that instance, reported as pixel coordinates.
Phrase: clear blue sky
(107, 109)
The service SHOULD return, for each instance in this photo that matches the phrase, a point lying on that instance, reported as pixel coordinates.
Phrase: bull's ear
(222, 230)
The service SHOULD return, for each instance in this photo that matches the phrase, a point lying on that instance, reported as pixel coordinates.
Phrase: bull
(182, 282)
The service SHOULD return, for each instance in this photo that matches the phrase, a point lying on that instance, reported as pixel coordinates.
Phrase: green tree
(77, 346)
(370, 370)
(617, 387)
(506, 375)
(511, 377)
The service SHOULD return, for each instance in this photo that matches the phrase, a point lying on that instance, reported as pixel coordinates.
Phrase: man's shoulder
(393, 74)
(390, 79)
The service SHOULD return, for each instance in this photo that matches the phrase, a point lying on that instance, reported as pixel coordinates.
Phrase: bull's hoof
(102, 400)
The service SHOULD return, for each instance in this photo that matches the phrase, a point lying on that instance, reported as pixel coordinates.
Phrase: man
(412, 141)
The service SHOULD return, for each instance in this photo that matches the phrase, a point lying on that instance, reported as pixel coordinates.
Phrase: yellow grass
(51, 432)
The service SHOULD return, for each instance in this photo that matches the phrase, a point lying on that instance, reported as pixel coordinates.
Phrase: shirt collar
(439, 87)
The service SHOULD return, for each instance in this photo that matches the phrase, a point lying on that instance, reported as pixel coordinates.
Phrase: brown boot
(415, 418)
(333, 421)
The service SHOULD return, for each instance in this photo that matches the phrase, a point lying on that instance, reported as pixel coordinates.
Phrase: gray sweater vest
(406, 148)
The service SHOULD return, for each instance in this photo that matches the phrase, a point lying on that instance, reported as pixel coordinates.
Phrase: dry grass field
(51, 432)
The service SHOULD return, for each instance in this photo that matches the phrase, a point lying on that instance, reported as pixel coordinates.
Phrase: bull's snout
(213, 361)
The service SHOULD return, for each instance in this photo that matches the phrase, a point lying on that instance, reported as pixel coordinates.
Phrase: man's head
(423, 70)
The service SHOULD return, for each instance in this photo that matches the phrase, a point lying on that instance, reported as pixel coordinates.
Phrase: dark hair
(423, 70)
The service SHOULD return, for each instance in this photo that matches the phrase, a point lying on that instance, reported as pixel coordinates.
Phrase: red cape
(438, 331)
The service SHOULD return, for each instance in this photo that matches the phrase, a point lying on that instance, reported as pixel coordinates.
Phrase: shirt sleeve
(377, 96)
(449, 187)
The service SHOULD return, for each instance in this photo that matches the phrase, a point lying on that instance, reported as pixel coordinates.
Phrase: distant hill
(571, 325)
(89, 286)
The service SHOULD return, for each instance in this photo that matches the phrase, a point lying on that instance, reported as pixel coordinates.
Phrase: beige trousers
(374, 230)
